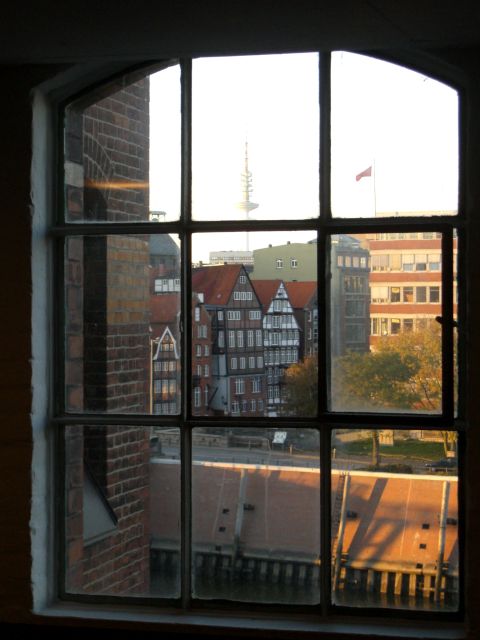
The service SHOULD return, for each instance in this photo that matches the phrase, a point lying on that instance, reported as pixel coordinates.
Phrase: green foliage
(404, 372)
(302, 388)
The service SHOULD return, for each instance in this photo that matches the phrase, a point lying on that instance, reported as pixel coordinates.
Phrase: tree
(301, 389)
(404, 372)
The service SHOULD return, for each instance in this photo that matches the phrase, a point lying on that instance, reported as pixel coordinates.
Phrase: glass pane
(395, 519)
(394, 140)
(122, 351)
(119, 141)
(256, 520)
(255, 137)
(385, 340)
(122, 511)
(255, 324)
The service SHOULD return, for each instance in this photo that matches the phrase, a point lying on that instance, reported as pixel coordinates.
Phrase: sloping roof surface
(300, 293)
(216, 283)
(164, 307)
(266, 290)
(163, 245)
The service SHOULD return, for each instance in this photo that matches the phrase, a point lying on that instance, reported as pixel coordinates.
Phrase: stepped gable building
(165, 352)
(281, 338)
(303, 298)
(238, 371)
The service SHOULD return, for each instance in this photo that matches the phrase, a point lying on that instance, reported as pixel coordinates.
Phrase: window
(408, 294)
(421, 293)
(220, 315)
(114, 374)
(197, 397)
(239, 386)
(434, 294)
(293, 263)
(197, 314)
(221, 339)
(395, 294)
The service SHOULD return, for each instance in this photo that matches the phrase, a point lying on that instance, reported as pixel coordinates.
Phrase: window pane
(119, 141)
(122, 324)
(256, 520)
(263, 329)
(395, 519)
(394, 140)
(122, 511)
(269, 103)
(398, 367)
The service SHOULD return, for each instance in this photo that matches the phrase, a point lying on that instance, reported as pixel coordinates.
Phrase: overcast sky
(401, 123)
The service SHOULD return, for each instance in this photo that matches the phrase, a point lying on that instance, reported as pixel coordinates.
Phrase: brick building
(201, 358)
(405, 282)
(107, 336)
(238, 371)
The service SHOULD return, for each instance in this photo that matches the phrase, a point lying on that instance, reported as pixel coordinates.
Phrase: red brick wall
(107, 341)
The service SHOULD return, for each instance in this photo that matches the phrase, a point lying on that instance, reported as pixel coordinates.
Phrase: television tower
(246, 204)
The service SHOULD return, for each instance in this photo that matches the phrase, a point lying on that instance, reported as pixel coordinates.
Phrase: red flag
(366, 173)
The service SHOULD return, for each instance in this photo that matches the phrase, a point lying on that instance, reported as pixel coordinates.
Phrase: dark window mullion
(323, 328)
(186, 334)
(447, 326)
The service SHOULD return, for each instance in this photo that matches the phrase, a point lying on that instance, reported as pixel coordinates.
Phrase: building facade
(238, 369)
(281, 339)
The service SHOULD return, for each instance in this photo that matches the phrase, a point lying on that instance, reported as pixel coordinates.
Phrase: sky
(401, 123)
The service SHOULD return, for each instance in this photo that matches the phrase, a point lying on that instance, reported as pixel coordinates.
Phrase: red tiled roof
(216, 283)
(266, 290)
(164, 308)
(300, 293)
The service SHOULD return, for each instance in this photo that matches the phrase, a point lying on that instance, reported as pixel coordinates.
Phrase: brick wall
(107, 341)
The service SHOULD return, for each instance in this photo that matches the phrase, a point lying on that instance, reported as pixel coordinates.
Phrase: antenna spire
(246, 204)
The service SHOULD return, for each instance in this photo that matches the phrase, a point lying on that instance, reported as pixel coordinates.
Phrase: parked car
(441, 466)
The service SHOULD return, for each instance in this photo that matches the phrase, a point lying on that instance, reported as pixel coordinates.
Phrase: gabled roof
(266, 290)
(300, 293)
(216, 283)
(164, 308)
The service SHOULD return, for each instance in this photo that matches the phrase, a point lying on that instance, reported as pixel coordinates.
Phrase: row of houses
(248, 329)
(245, 334)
